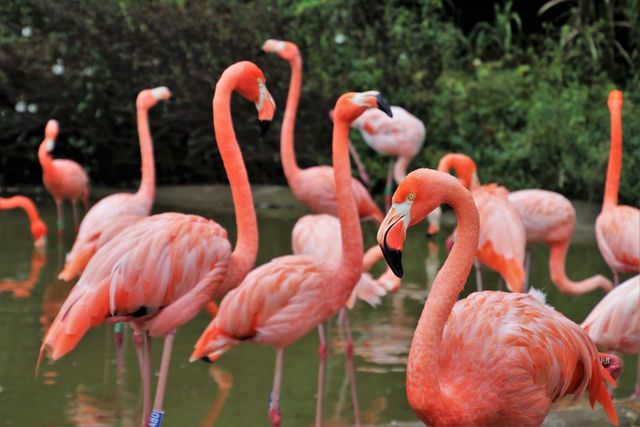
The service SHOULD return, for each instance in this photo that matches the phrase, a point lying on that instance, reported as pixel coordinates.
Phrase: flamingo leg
(476, 267)
(60, 223)
(387, 187)
(322, 352)
(74, 205)
(527, 266)
(162, 378)
(636, 391)
(118, 336)
(359, 165)
(146, 379)
(274, 401)
(500, 283)
(350, 367)
(616, 278)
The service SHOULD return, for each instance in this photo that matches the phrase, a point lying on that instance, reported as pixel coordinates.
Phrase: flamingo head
(284, 49)
(612, 363)
(147, 98)
(416, 196)
(39, 233)
(615, 100)
(351, 105)
(51, 133)
(464, 166)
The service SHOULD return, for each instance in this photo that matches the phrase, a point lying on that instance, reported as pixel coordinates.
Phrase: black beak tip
(394, 260)
(264, 127)
(206, 360)
(384, 105)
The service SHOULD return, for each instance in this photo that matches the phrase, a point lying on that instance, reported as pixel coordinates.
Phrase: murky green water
(81, 389)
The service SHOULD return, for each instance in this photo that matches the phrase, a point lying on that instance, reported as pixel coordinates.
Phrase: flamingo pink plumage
(494, 358)
(64, 179)
(617, 226)
(502, 240)
(314, 186)
(550, 218)
(162, 270)
(614, 323)
(103, 213)
(281, 301)
(38, 227)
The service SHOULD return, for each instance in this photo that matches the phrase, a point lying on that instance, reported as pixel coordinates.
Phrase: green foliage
(530, 109)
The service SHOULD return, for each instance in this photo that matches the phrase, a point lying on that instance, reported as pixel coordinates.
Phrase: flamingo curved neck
(23, 203)
(45, 159)
(245, 251)
(423, 387)
(557, 257)
(349, 266)
(287, 150)
(615, 161)
(147, 189)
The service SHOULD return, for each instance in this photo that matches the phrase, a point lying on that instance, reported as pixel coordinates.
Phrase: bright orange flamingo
(494, 358)
(314, 186)
(280, 302)
(116, 205)
(617, 226)
(24, 288)
(64, 179)
(38, 227)
(550, 218)
(614, 324)
(502, 235)
(164, 269)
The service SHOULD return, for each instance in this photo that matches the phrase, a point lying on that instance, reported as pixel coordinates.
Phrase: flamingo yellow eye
(411, 196)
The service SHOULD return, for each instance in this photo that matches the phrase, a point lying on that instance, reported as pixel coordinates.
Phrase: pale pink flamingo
(161, 271)
(63, 179)
(281, 301)
(614, 324)
(617, 226)
(502, 235)
(550, 218)
(493, 358)
(314, 186)
(117, 205)
(38, 227)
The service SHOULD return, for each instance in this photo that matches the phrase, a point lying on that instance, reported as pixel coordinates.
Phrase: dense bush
(531, 108)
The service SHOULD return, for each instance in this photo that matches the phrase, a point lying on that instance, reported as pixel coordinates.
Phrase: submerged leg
(636, 391)
(118, 337)
(162, 378)
(476, 267)
(350, 368)
(387, 187)
(74, 205)
(274, 401)
(60, 217)
(146, 379)
(500, 283)
(527, 265)
(322, 352)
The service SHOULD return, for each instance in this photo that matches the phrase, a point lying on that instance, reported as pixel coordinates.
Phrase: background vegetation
(521, 87)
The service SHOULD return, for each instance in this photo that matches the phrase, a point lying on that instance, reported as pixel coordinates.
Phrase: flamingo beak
(391, 236)
(266, 107)
(41, 242)
(384, 105)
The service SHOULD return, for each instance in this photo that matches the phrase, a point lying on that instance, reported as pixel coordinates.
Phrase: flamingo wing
(70, 179)
(617, 231)
(317, 235)
(614, 323)
(547, 217)
(142, 271)
(502, 240)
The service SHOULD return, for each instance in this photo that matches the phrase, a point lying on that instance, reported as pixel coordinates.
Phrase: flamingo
(502, 235)
(133, 206)
(550, 218)
(159, 272)
(281, 301)
(64, 179)
(38, 227)
(614, 324)
(314, 186)
(493, 358)
(617, 226)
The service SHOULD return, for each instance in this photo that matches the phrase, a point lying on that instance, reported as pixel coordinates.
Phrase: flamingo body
(617, 231)
(66, 180)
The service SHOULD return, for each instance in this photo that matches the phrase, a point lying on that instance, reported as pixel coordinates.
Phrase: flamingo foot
(349, 348)
(322, 351)
(275, 417)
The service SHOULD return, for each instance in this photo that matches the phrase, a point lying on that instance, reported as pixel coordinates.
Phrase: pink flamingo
(281, 301)
(617, 226)
(162, 270)
(101, 215)
(314, 186)
(502, 235)
(614, 324)
(38, 227)
(493, 358)
(550, 218)
(64, 179)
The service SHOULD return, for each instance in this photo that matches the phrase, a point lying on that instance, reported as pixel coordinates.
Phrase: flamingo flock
(493, 358)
